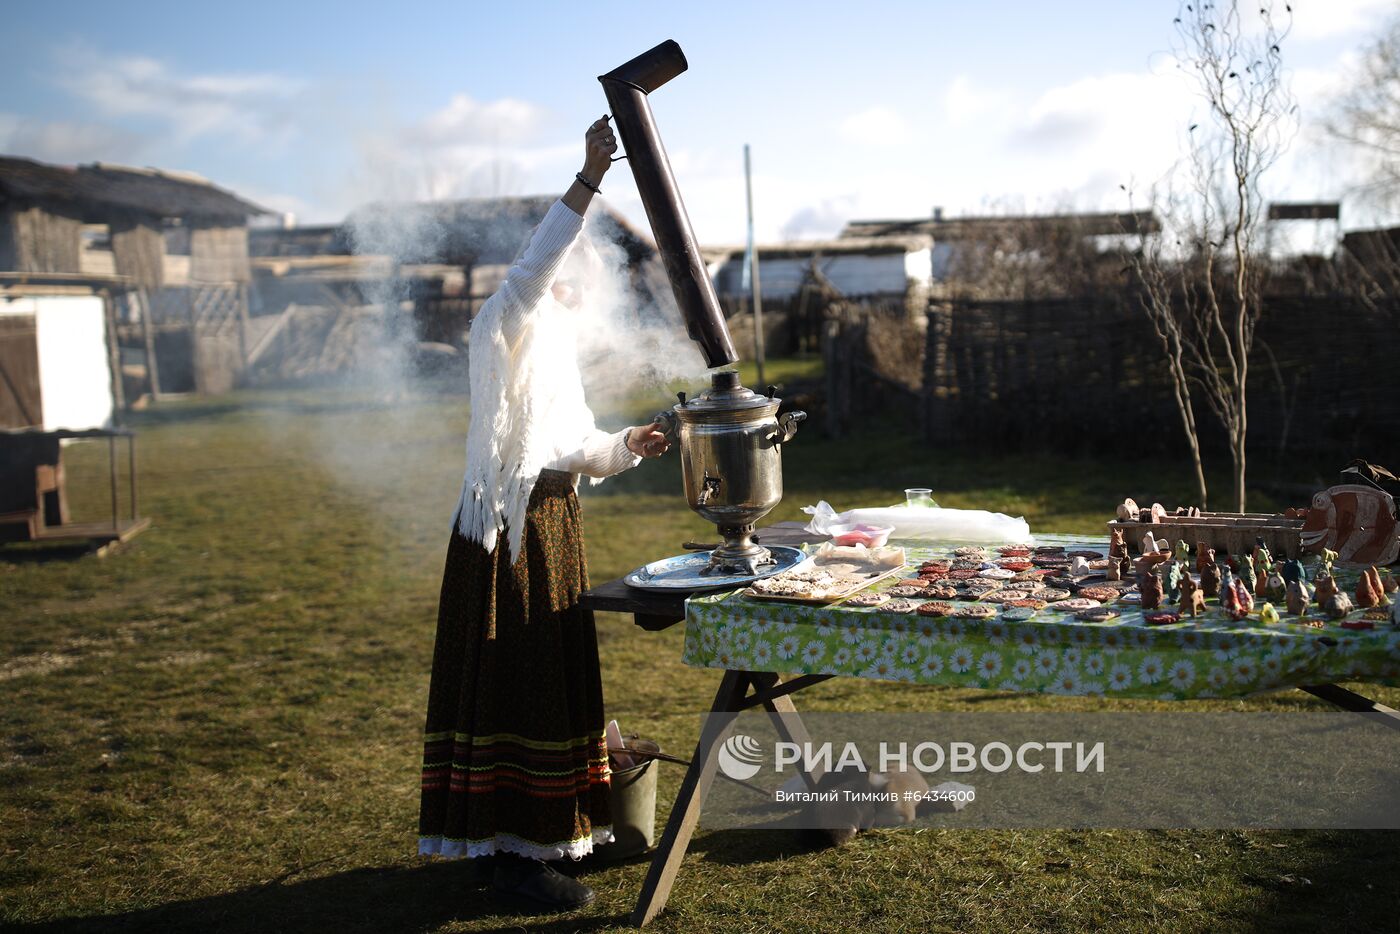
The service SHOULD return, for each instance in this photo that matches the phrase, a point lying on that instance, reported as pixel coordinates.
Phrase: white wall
(75, 376)
(855, 274)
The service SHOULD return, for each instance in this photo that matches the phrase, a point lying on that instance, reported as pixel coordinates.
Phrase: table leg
(685, 813)
(1349, 700)
(788, 724)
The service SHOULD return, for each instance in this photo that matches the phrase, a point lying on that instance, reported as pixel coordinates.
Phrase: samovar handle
(787, 427)
(668, 422)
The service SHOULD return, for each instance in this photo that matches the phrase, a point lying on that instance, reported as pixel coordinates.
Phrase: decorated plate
(683, 572)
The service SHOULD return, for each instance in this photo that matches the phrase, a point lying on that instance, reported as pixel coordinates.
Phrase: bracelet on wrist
(587, 184)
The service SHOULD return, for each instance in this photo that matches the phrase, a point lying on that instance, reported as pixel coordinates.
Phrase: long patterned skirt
(514, 757)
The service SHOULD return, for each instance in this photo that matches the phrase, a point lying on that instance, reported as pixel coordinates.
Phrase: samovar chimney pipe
(627, 87)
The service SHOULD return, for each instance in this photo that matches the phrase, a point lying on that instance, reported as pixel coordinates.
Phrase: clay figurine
(1274, 586)
(1235, 597)
(1263, 561)
(1150, 545)
(1210, 579)
(1395, 613)
(1172, 580)
(1128, 511)
(1157, 513)
(1245, 567)
(1182, 552)
(1366, 594)
(1326, 588)
(1112, 572)
(1388, 582)
(1117, 548)
(1293, 571)
(1268, 615)
(1298, 597)
(1149, 586)
(1378, 586)
(1078, 567)
(1359, 521)
(1328, 556)
(1193, 602)
(1125, 568)
(1337, 606)
(1205, 556)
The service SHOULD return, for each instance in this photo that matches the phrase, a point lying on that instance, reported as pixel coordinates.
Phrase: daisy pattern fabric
(1053, 652)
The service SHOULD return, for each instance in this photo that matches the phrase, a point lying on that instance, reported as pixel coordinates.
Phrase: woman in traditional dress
(515, 764)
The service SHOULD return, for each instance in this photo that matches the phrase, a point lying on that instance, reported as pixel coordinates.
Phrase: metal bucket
(633, 797)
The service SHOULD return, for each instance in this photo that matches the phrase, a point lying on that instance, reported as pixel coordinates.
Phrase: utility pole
(751, 273)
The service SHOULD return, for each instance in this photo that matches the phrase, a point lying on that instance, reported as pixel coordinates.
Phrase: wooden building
(416, 273)
(179, 243)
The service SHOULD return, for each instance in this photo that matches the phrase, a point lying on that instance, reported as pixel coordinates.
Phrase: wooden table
(744, 690)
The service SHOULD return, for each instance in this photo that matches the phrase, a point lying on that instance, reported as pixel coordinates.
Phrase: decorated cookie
(868, 599)
(936, 608)
(975, 611)
(1074, 605)
(1017, 613)
(1097, 614)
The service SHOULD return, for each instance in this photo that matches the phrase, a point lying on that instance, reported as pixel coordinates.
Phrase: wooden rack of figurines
(1245, 581)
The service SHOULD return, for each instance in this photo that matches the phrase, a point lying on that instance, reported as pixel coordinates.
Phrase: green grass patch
(218, 727)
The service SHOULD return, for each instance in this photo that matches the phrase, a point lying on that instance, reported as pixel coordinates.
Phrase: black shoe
(538, 885)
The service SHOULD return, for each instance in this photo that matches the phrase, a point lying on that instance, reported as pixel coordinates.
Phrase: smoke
(393, 437)
(632, 339)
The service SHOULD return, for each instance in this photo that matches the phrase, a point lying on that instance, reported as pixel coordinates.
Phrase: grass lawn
(218, 727)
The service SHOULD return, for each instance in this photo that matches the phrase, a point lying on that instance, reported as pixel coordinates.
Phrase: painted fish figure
(1358, 522)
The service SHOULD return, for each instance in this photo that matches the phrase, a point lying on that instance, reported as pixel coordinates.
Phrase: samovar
(730, 441)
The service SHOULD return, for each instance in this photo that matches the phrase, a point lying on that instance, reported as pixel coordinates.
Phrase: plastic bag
(925, 523)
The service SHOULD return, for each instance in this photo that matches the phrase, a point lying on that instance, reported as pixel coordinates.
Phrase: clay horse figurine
(1193, 602)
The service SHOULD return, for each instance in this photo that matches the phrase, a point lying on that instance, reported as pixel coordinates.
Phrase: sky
(852, 110)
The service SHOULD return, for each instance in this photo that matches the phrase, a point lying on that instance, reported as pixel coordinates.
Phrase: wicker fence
(1082, 374)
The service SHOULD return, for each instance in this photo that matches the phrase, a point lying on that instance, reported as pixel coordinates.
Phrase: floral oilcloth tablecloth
(1053, 652)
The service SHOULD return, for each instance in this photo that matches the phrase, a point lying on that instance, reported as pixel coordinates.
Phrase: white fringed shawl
(528, 409)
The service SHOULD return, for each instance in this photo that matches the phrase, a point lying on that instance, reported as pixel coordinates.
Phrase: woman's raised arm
(531, 276)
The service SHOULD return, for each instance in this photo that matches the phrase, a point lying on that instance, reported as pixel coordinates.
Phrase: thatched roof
(971, 228)
(99, 190)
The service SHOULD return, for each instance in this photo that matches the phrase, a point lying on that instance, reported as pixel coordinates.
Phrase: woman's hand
(599, 145)
(648, 441)
(600, 142)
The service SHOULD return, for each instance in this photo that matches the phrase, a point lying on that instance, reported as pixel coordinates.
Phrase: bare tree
(1203, 292)
(1367, 114)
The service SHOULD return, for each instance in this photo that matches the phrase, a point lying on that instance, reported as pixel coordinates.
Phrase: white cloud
(67, 142)
(877, 126)
(1327, 19)
(466, 121)
(251, 107)
(966, 103)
